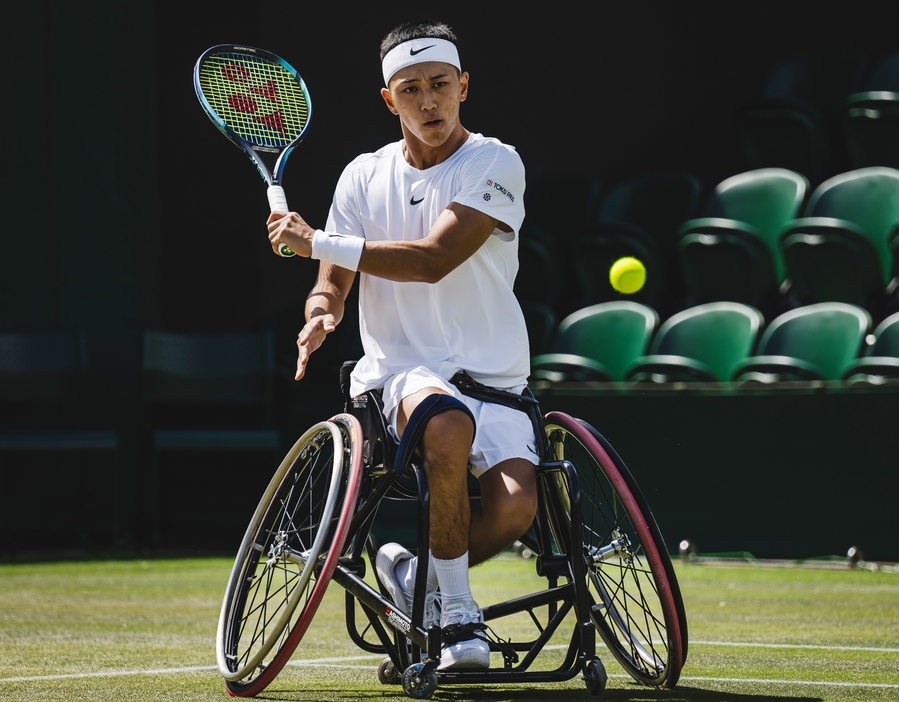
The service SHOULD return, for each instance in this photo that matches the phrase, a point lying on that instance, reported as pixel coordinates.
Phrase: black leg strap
(415, 428)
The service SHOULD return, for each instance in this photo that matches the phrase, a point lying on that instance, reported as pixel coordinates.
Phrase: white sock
(452, 576)
(405, 573)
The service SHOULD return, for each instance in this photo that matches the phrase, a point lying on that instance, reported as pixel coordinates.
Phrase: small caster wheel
(595, 676)
(388, 674)
(418, 685)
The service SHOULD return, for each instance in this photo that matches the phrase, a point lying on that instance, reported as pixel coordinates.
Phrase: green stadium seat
(562, 203)
(43, 398)
(597, 343)
(637, 217)
(881, 362)
(53, 437)
(732, 252)
(796, 122)
(815, 342)
(840, 250)
(700, 344)
(542, 278)
(871, 123)
(559, 204)
(206, 394)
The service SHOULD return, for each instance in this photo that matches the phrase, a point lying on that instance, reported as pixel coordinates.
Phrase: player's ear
(385, 93)
(463, 86)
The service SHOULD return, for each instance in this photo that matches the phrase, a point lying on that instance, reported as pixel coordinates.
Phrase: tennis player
(431, 223)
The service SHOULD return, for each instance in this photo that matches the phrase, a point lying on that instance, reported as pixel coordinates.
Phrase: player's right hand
(290, 229)
(310, 338)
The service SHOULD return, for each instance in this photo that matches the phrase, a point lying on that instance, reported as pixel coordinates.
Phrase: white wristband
(342, 250)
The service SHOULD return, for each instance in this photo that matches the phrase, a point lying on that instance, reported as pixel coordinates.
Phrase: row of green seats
(721, 342)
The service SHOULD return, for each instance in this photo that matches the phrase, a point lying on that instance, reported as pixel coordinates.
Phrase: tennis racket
(260, 103)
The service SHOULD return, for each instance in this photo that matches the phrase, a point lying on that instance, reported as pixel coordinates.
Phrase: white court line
(170, 671)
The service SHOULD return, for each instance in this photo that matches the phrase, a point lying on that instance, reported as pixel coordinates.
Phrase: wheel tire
(288, 555)
(388, 674)
(419, 686)
(595, 676)
(635, 601)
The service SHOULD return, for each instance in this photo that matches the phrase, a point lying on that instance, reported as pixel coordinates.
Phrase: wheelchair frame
(638, 610)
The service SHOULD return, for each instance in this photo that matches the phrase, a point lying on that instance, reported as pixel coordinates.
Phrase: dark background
(124, 209)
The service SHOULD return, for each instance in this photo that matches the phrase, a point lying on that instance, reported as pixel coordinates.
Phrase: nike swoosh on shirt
(413, 201)
(413, 52)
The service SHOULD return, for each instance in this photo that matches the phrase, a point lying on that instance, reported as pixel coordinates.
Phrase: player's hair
(419, 29)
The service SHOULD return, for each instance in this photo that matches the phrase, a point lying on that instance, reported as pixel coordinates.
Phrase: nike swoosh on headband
(415, 52)
(413, 201)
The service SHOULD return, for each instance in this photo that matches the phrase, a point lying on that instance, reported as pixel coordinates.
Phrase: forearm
(405, 261)
(328, 296)
(458, 232)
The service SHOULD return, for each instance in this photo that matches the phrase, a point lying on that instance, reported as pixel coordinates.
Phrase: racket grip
(277, 201)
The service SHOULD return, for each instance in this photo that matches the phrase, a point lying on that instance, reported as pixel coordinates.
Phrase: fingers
(288, 228)
(310, 338)
(276, 224)
(274, 217)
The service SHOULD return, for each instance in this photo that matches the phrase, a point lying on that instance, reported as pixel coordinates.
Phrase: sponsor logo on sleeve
(496, 186)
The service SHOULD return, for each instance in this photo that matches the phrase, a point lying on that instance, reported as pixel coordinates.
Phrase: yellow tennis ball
(627, 275)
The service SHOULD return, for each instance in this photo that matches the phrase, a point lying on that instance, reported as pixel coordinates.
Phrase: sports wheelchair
(597, 546)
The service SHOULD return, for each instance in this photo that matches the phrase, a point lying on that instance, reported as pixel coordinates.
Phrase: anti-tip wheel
(418, 685)
(388, 674)
(595, 676)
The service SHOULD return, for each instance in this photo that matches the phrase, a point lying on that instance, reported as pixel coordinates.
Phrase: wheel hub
(618, 547)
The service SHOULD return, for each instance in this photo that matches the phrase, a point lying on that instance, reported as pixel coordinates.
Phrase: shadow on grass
(466, 693)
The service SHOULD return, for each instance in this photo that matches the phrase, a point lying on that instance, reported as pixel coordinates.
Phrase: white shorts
(501, 432)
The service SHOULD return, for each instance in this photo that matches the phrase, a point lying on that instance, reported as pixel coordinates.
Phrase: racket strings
(259, 100)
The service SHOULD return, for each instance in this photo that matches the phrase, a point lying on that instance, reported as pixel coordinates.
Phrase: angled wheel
(595, 677)
(417, 684)
(288, 555)
(634, 597)
(388, 674)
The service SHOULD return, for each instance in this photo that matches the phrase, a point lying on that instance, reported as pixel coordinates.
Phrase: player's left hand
(290, 229)
(310, 338)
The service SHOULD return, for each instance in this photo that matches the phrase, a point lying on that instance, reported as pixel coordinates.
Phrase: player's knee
(453, 427)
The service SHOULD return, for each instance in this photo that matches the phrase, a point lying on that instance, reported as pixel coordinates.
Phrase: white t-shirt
(470, 320)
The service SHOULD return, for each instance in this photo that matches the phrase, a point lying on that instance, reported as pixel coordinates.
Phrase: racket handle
(277, 201)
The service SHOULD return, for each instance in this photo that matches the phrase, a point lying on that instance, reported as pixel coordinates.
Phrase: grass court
(144, 630)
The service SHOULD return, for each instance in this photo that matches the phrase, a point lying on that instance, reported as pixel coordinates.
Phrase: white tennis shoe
(464, 640)
(461, 622)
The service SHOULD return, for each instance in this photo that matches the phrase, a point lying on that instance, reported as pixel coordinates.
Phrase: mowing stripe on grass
(772, 681)
(811, 646)
(110, 674)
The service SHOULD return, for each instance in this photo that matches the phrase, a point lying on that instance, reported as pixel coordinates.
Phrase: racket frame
(274, 176)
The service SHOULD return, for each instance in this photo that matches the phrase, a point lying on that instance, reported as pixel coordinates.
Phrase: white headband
(418, 51)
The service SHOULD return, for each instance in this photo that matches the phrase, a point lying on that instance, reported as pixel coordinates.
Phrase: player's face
(426, 97)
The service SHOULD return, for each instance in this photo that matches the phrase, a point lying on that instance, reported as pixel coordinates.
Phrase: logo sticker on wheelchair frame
(396, 622)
